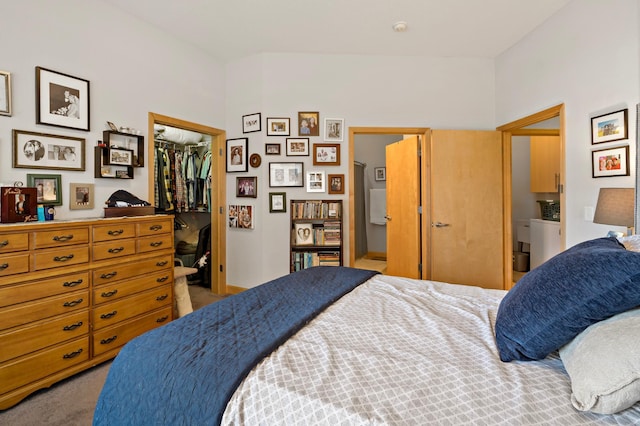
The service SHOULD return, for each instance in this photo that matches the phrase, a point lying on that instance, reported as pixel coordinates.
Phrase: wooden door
(403, 199)
(465, 208)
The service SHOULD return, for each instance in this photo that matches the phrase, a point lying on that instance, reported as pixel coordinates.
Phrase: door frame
(218, 230)
(518, 128)
(353, 131)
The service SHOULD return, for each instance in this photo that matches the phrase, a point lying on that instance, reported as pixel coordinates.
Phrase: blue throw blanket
(186, 371)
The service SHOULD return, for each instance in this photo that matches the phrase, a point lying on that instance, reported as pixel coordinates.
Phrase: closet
(182, 187)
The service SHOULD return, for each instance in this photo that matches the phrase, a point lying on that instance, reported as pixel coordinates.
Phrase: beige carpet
(71, 402)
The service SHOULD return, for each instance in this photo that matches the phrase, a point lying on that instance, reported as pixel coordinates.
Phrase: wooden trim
(532, 119)
(535, 132)
(218, 230)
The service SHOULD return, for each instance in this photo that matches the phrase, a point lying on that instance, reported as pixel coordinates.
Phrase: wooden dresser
(73, 292)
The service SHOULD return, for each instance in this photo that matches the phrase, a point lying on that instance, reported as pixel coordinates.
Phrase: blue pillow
(554, 302)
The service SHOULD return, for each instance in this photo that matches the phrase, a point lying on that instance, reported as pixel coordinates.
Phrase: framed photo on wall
(610, 162)
(326, 154)
(278, 126)
(380, 173)
(237, 155)
(48, 188)
(272, 149)
(609, 127)
(297, 147)
(277, 202)
(81, 196)
(286, 174)
(33, 150)
(247, 186)
(5, 93)
(333, 129)
(251, 123)
(336, 184)
(309, 123)
(315, 181)
(62, 100)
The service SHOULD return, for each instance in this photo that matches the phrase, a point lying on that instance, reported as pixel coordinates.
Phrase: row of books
(304, 260)
(316, 209)
(326, 234)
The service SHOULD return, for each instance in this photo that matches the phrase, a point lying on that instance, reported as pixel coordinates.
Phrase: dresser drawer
(113, 249)
(63, 256)
(14, 264)
(26, 313)
(156, 242)
(33, 290)
(160, 226)
(120, 289)
(114, 337)
(25, 370)
(14, 242)
(123, 309)
(128, 270)
(62, 237)
(114, 231)
(40, 335)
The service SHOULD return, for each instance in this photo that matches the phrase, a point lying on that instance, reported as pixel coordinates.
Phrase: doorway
(217, 237)
(530, 126)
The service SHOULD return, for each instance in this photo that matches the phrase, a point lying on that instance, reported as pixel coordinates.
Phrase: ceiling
(230, 29)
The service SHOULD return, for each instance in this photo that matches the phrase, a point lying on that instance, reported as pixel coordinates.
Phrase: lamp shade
(616, 206)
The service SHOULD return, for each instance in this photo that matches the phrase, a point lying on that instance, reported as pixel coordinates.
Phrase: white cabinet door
(545, 241)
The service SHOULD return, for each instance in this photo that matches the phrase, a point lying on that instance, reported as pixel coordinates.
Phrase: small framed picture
(251, 123)
(241, 216)
(18, 204)
(81, 196)
(278, 126)
(286, 174)
(609, 127)
(610, 162)
(315, 181)
(5, 93)
(277, 202)
(297, 147)
(308, 123)
(304, 234)
(247, 186)
(336, 184)
(120, 157)
(272, 149)
(326, 154)
(62, 100)
(333, 129)
(380, 173)
(237, 155)
(33, 150)
(48, 188)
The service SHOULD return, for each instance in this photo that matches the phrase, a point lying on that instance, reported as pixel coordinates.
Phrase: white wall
(585, 56)
(132, 68)
(446, 93)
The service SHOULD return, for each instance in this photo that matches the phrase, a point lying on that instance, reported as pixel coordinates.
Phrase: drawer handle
(161, 298)
(73, 303)
(162, 279)
(109, 275)
(63, 258)
(4, 266)
(4, 243)
(161, 263)
(116, 232)
(62, 238)
(108, 340)
(72, 354)
(109, 315)
(109, 293)
(155, 227)
(115, 250)
(72, 326)
(72, 283)
(156, 244)
(162, 319)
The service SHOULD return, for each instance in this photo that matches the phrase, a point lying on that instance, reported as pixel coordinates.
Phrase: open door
(403, 201)
(466, 208)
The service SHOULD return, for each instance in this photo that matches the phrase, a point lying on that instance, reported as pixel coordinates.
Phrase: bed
(338, 345)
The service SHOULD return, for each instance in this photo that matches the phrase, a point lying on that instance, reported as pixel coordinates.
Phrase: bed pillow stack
(552, 304)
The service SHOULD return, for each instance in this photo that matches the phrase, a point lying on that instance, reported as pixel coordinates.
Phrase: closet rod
(358, 163)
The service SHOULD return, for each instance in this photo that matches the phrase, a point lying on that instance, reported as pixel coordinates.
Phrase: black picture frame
(277, 202)
(237, 155)
(62, 100)
(286, 174)
(610, 127)
(251, 123)
(247, 186)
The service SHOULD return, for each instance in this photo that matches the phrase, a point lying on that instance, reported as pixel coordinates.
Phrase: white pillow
(631, 242)
(603, 363)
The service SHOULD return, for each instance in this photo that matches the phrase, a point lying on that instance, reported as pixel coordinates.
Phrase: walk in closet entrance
(186, 179)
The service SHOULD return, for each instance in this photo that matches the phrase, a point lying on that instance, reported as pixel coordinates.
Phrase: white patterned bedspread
(400, 351)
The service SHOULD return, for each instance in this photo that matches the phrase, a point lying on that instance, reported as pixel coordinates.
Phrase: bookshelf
(316, 234)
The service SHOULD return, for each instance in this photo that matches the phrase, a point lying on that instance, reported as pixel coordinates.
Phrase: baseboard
(374, 255)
